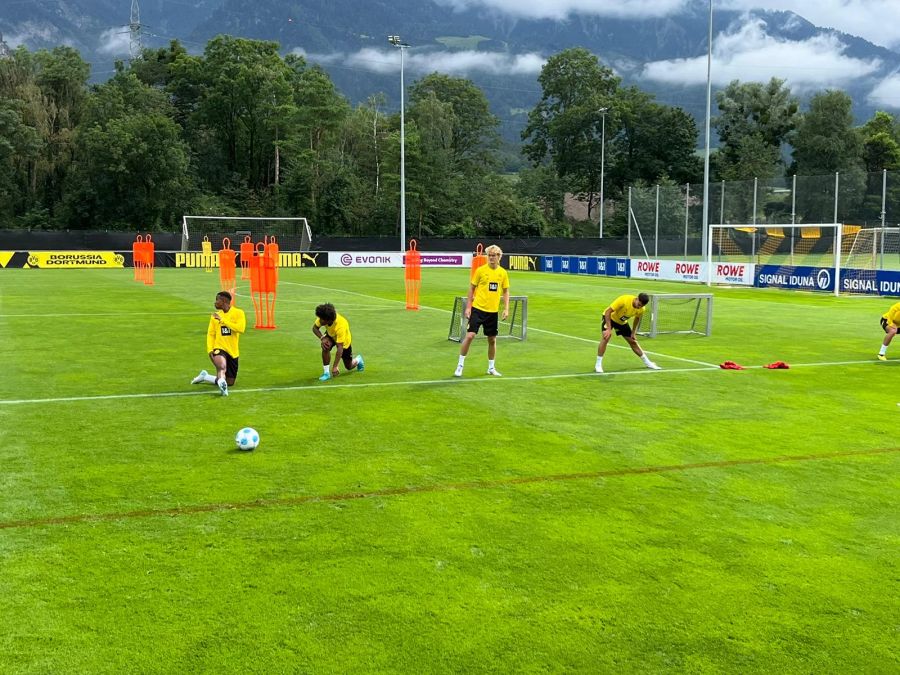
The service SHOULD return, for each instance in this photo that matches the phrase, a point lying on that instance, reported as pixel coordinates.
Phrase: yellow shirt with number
(338, 331)
(624, 309)
(225, 334)
(489, 286)
(893, 315)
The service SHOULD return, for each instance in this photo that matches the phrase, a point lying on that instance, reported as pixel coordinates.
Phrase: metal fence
(667, 221)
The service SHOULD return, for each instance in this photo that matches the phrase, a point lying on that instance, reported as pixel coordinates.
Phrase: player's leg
(347, 358)
(327, 346)
(231, 369)
(490, 331)
(890, 331)
(601, 350)
(475, 318)
(636, 348)
(218, 359)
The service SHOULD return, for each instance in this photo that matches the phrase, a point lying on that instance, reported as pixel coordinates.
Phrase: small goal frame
(655, 300)
(518, 316)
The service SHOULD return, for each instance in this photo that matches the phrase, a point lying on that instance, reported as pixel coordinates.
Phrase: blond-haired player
(890, 322)
(489, 284)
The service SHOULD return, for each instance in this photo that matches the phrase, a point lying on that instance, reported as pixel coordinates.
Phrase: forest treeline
(244, 130)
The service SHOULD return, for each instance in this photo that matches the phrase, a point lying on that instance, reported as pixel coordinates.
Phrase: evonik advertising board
(395, 259)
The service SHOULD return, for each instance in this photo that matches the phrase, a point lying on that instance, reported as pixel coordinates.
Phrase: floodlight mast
(399, 44)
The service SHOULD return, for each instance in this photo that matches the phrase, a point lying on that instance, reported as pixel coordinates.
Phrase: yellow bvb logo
(33, 260)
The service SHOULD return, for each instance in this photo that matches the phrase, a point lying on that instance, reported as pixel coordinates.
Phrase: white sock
(210, 378)
(599, 360)
(644, 358)
(490, 364)
(326, 369)
(462, 361)
(883, 350)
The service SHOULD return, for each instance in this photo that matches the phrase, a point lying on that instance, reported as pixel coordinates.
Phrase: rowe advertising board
(395, 259)
(735, 274)
(579, 264)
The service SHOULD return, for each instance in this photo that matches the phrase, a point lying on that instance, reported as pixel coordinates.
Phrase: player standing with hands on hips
(615, 317)
(489, 283)
(226, 326)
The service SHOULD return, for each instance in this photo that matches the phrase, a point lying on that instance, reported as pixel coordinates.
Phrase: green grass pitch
(401, 520)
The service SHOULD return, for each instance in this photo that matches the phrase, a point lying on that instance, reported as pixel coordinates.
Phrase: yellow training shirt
(225, 334)
(489, 286)
(893, 315)
(623, 309)
(339, 330)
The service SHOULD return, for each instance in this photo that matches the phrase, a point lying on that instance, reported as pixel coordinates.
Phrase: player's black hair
(224, 294)
(644, 298)
(326, 312)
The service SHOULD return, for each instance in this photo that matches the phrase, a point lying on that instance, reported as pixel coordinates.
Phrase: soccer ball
(247, 439)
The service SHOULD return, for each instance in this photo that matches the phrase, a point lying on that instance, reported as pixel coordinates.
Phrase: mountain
(348, 37)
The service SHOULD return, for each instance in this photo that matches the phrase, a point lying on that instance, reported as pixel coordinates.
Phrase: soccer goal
(805, 245)
(292, 234)
(872, 248)
(515, 326)
(684, 313)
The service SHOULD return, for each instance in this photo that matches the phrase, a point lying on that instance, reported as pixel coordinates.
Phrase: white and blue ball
(247, 439)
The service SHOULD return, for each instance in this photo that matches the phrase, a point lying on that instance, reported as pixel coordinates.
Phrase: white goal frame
(875, 247)
(518, 316)
(657, 298)
(836, 263)
(306, 234)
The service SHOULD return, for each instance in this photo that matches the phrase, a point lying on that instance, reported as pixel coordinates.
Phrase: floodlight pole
(705, 238)
(603, 112)
(399, 44)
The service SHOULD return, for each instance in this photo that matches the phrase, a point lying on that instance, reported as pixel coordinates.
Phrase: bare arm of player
(338, 355)
(636, 324)
(468, 312)
(505, 303)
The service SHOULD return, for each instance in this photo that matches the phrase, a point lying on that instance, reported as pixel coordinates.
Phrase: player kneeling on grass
(615, 317)
(489, 283)
(890, 322)
(337, 335)
(225, 328)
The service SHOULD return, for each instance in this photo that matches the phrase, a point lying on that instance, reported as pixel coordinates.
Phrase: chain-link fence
(667, 220)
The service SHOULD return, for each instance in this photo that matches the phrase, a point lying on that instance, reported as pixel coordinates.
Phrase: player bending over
(337, 335)
(225, 328)
(890, 322)
(616, 318)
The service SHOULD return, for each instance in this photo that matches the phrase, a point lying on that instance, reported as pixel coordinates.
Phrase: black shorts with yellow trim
(485, 320)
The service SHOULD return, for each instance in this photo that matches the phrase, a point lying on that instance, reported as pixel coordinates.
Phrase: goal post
(293, 234)
(514, 326)
(797, 245)
(678, 313)
(870, 248)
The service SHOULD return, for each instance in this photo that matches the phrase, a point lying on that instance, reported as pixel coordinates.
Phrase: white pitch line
(451, 381)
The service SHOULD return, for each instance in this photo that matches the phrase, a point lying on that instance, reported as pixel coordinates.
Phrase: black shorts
(622, 329)
(481, 319)
(347, 356)
(231, 363)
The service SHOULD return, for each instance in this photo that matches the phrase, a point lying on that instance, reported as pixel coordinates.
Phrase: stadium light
(603, 112)
(399, 44)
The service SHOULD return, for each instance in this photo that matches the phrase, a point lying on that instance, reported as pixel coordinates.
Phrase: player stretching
(489, 282)
(225, 328)
(616, 317)
(890, 322)
(337, 334)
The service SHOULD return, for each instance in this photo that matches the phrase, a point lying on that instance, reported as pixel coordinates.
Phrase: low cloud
(886, 94)
(32, 34)
(561, 9)
(115, 41)
(424, 62)
(748, 53)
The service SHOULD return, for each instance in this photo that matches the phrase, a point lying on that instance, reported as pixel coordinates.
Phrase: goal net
(872, 248)
(292, 234)
(783, 246)
(514, 326)
(685, 313)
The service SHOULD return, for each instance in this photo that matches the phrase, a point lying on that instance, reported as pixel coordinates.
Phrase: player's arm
(469, 298)
(505, 302)
(338, 355)
(636, 324)
(607, 323)
(236, 323)
(211, 333)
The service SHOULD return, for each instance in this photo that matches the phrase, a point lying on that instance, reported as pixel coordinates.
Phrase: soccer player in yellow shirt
(615, 317)
(890, 322)
(489, 283)
(337, 335)
(226, 326)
